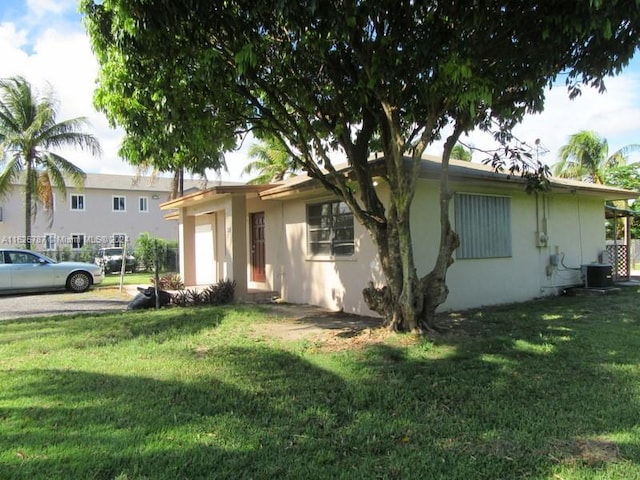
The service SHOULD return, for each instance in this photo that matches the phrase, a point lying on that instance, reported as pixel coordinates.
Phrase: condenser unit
(597, 275)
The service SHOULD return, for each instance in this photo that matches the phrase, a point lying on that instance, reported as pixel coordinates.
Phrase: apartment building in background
(109, 211)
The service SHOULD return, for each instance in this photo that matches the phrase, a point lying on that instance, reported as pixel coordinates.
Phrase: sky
(44, 41)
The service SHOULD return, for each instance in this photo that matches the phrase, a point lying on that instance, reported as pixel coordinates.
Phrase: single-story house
(295, 239)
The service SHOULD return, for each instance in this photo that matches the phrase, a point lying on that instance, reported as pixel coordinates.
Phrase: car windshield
(113, 251)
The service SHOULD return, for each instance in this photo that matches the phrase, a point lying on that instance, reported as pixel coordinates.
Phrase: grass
(138, 278)
(543, 390)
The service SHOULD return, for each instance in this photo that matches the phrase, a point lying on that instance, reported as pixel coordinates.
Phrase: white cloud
(64, 61)
(11, 40)
(40, 9)
(614, 115)
(44, 7)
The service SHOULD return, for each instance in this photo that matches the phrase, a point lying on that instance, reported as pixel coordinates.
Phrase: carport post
(156, 271)
(124, 263)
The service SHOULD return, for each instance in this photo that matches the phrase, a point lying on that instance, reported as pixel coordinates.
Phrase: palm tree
(272, 160)
(29, 134)
(586, 157)
(461, 153)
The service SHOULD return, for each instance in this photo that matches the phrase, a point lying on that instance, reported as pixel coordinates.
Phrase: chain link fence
(168, 257)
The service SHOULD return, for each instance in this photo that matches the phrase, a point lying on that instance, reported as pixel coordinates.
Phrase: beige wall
(335, 284)
(97, 222)
(574, 224)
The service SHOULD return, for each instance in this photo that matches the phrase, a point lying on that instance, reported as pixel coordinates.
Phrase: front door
(257, 248)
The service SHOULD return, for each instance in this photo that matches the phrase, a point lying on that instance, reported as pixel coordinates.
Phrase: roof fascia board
(213, 193)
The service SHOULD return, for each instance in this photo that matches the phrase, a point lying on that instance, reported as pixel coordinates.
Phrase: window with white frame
(330, 229)
(50, 241)
(77, 202)
(483, 223)
(118, 239)
(119, 204)
(77, 241)
(143, 204)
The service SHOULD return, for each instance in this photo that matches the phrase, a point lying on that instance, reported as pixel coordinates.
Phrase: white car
(27, 271)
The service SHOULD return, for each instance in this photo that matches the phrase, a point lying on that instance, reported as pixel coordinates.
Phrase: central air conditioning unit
(597, 275)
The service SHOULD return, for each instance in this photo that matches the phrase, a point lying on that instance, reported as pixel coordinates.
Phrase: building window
(118, 239)
(330, 229)
(143, 204)
(50, 241)
(483, 223)
(1, 214)
(77, 202)
(77, 241)
(119, 204)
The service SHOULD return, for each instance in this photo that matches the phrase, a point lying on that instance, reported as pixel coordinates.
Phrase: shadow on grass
(519, 398)
(86, 331)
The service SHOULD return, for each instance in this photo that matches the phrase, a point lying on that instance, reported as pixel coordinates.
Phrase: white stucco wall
(575, 229)
(333, 283)
(574, 225)
(573, 222)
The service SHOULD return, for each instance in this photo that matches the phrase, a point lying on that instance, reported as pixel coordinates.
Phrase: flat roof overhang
(214, 193)
(459, 171)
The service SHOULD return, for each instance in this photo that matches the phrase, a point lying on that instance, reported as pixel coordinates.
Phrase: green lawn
(546, 390)
(138, 278)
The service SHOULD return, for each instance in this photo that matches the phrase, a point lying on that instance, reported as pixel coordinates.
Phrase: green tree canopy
(335, 74)
(29, 137)
(586, 157)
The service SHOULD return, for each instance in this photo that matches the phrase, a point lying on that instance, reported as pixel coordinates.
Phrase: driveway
(57, 303)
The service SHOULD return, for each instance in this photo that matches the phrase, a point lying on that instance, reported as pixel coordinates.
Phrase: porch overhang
(615, 212)
(212, 194)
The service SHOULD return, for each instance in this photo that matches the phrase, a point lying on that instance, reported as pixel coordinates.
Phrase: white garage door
(205, 272)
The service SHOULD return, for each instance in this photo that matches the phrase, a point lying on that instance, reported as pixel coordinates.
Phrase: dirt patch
(329, 330)
(591, 452)
(323, 327)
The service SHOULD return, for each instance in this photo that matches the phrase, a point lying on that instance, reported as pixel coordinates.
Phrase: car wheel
(78, 282)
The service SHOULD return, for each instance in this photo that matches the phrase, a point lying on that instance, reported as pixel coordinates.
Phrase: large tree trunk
(408, 303)
(398, 301)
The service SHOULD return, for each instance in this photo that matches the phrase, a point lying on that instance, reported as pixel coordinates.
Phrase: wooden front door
(257, 248)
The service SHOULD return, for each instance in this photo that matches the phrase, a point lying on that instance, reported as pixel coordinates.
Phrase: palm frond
(29, 134)
(66, 134)
(9, 174)
(585, 157)
(58, 165)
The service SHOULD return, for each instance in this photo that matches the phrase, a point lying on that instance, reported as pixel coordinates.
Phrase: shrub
(194, 297)
(221, 293)
(180, 298)
(169, 281)
(145, 252)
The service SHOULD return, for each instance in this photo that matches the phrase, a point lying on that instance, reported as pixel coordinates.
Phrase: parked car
(110, 259)
(27, 271)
